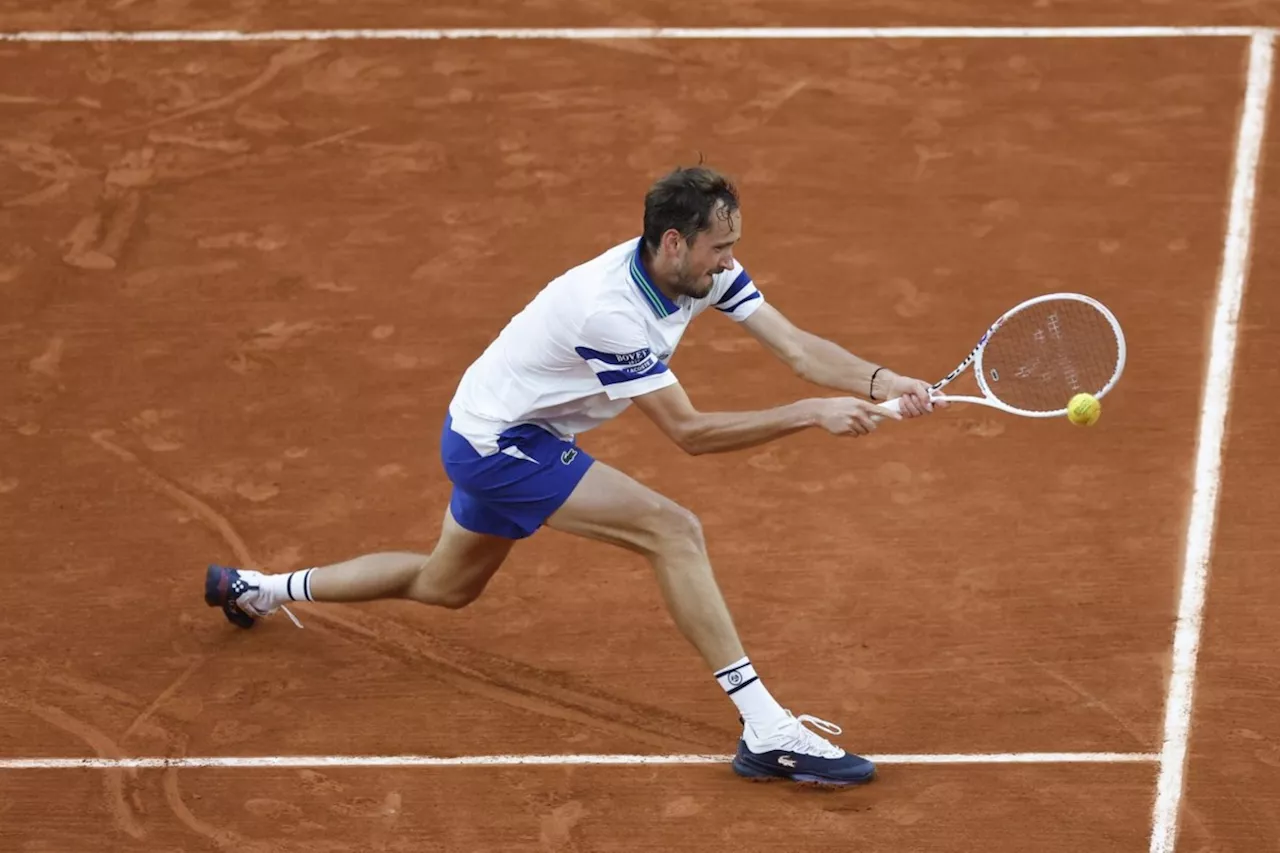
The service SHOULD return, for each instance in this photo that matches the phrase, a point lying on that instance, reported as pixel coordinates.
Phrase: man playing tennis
(594, 340)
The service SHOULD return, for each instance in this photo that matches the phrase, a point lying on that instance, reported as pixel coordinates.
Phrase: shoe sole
(215, 587)
(760, 774)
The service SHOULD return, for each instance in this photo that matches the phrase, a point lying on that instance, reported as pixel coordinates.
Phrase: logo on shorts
(569, 455)
(735, 677)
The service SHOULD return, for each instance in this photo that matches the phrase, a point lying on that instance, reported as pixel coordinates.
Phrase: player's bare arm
(698, 432)
(830, 365)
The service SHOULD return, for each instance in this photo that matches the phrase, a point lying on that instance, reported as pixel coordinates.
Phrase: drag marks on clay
(213, 519)
(232, 481)
(253, 352)
(384, 810)
(377, 811)
(392, 356)
(95, 691)
(47, 363)
(1092, 700)
(42, 387)
(176, 275)
(556, 826)
(124, 790)
(268, 238)
(762, 110)
(154, 430)
(519, 685)
(292, 56)
(190, 140)
(119, 784)
(224, 839)
(97, 240)
(681, 807)
(177, 171)
(277, 812)
(53, 169)
(318, 784)
(906, 298)
(468, 670)
(350, 77)
(905, 485)
(165, 695)
(257, 492)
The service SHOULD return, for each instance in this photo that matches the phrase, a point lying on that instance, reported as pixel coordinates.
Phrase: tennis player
(593, 341)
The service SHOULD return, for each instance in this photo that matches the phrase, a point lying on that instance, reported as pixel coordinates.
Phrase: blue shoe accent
(849, 769)
(222, 586)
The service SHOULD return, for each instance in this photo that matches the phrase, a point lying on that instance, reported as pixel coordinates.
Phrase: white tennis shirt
(592, 339)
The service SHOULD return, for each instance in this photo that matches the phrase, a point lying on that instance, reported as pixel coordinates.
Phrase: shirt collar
(655, 298)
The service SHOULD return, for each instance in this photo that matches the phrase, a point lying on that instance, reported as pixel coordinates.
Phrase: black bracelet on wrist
(871, 386)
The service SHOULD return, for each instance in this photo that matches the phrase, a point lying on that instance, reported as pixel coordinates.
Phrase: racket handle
(892, 405)
(895, 405)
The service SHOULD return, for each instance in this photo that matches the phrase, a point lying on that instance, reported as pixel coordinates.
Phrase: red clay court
(245, 261)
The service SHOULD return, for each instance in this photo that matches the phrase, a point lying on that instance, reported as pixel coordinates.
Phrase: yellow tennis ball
(1084, 410)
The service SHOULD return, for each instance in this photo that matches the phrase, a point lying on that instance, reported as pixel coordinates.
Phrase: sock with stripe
(757, 706)
(291, 586)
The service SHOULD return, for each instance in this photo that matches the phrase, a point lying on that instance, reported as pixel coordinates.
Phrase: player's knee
(456, 598)
(443, 589)
(678, 530)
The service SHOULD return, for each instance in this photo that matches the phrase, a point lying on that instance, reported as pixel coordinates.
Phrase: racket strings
(1047, 353)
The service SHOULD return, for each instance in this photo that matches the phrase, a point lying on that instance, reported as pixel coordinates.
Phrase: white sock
(291, 586)
(757, 706)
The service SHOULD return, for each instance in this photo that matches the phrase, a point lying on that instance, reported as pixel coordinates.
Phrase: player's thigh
(612, 507)
(460, 566)
(465, 555)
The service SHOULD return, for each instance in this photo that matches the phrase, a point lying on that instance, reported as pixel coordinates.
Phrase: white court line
(537, 760)
(607, 33)
(1208, 472)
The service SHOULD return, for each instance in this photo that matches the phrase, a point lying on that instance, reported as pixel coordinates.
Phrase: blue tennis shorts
(513, 492)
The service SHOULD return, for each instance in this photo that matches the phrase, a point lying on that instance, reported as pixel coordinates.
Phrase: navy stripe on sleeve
(742, 301)
(734, 289)
(625, 366)
(613, 377)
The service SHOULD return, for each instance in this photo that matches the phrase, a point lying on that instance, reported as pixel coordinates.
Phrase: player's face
(711, 252)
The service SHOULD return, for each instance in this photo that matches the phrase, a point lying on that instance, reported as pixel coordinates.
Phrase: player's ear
(672, 240)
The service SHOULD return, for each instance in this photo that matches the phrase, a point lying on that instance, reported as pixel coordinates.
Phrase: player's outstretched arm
(826, 363)
(717, 432)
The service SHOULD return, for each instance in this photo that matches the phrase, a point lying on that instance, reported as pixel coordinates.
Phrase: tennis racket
(1040, 354)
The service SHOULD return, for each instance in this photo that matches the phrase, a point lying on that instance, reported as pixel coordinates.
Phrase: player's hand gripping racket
(1039, 355)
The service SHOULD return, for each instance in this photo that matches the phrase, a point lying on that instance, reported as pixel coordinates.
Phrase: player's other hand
(914, 393)
(849, 415)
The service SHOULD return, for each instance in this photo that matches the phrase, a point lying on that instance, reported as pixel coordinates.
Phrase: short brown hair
(684, 200)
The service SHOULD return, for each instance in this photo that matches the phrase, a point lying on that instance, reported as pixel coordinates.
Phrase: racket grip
(892, 405)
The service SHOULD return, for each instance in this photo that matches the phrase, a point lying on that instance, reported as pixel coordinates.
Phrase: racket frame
(974, 360)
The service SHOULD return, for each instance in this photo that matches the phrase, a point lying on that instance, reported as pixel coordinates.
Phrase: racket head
(1044, 351)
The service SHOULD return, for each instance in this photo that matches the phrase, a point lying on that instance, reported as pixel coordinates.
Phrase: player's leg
(608, 505)
(498, 498)
(612, 507)
(453, 575)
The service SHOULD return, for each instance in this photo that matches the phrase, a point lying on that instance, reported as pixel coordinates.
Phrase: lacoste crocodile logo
(786, 761)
